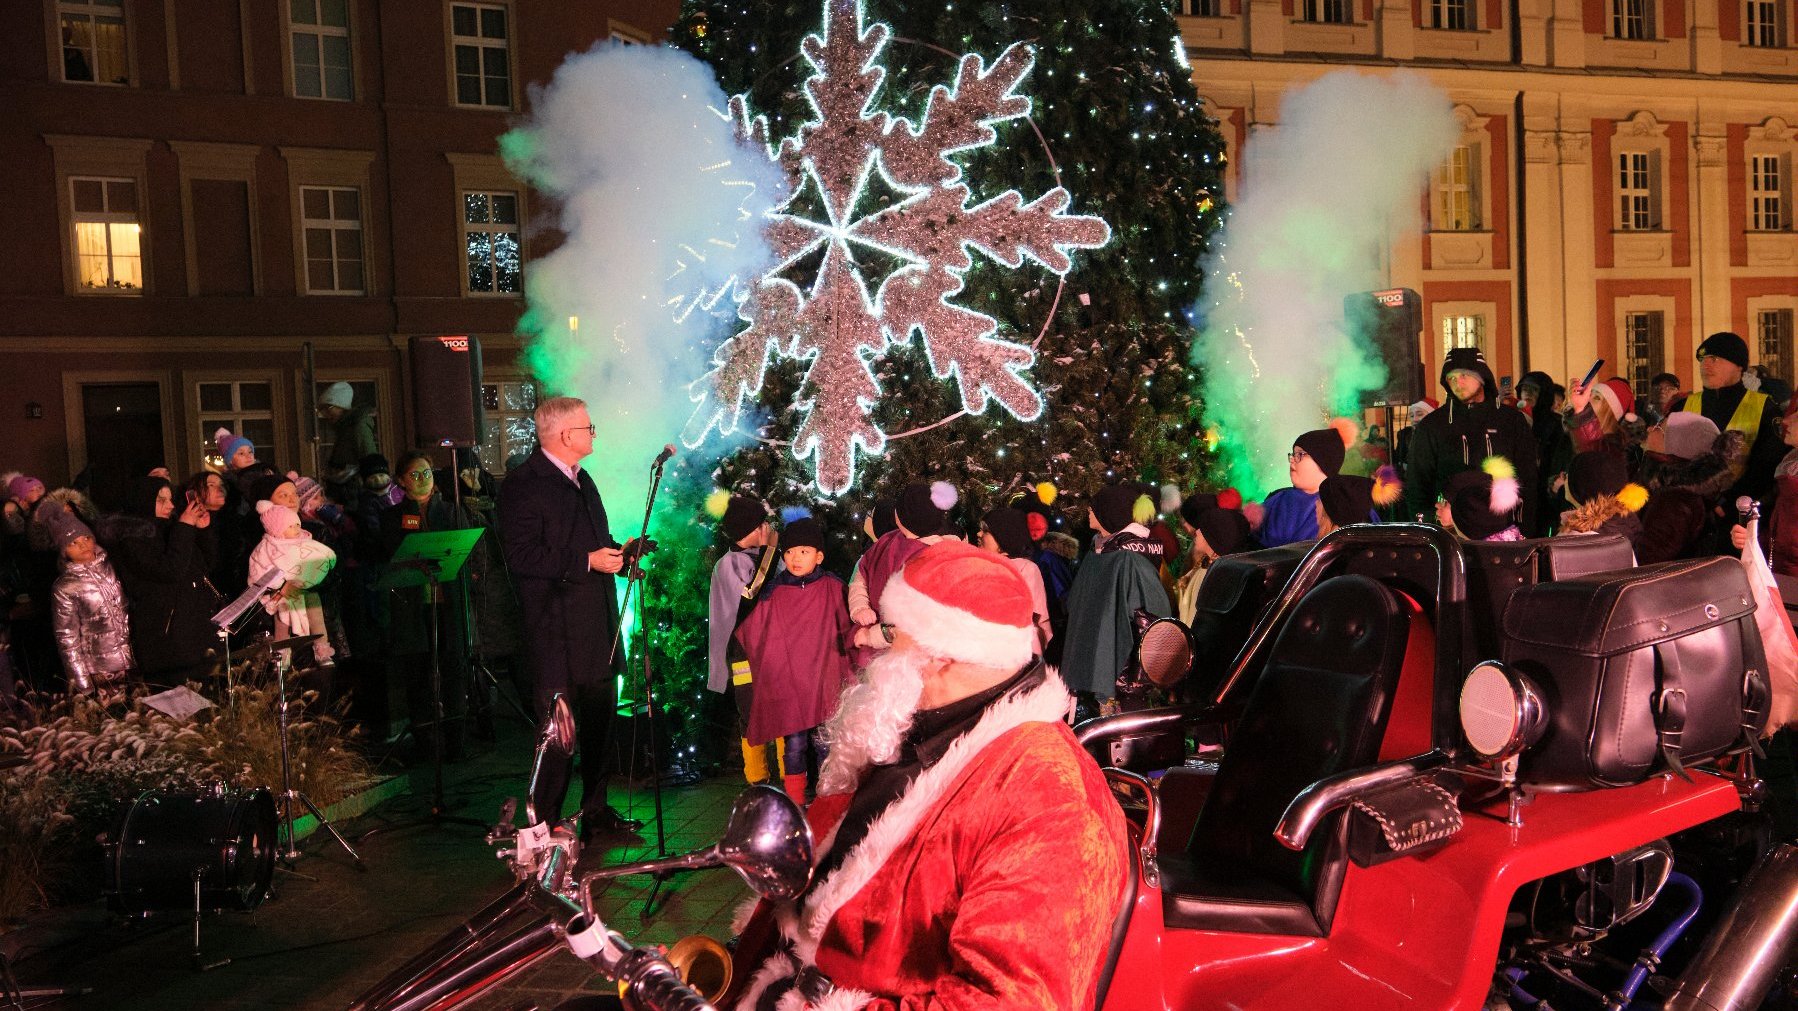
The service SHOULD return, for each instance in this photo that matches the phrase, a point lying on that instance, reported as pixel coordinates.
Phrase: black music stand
(429, 560)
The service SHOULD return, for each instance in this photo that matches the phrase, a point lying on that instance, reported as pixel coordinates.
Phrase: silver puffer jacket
(92, 629)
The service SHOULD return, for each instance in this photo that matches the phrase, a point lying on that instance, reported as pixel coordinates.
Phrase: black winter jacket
(1459, 436)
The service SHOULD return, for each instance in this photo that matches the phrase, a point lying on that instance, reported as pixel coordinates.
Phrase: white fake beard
(872, 718)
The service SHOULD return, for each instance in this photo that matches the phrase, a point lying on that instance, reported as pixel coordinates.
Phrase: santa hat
(1618, 397)
(1422, 409)
(961, 603)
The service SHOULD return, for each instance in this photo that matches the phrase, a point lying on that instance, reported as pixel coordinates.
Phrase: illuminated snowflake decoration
(841, 326)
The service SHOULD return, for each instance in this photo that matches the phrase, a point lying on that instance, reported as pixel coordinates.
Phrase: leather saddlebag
(1642, 670)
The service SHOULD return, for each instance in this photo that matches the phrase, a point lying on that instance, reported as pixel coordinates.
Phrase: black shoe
(607, 822)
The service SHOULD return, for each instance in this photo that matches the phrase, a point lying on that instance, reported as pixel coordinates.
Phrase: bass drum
(164, 838)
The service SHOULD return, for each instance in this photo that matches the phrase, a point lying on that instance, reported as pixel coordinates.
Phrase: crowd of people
(99, 596)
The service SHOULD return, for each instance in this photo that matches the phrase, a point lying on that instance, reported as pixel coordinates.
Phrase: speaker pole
(311, 405)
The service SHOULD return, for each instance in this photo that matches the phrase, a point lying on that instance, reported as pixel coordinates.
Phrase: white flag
(1776, 634)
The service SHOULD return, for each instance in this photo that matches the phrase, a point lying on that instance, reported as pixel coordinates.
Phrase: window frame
(1455, 323)
(490, 228)
(1620, 16)
(280, 412)
(453, 40)
(58, 67)
(1316, 12)
(334, 168)
(1761, 217)
(333, 225)
(1445, 188)
(1753, 26)
(1783, 351)
(348, 32)
(494, 418)
(78, 217)
(114, 157)
(1438, 16)
(1638, 371)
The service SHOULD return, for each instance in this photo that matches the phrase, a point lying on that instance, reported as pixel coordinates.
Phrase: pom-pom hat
(803, 532)
(923, 510)
(1618, 397)
(742, 515)
(960, 603)
(1325, 447)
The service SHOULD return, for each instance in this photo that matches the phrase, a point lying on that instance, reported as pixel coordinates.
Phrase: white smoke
(659, 206)
(1322, 194)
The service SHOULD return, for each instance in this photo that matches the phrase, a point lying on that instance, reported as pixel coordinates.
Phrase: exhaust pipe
(1752, 942)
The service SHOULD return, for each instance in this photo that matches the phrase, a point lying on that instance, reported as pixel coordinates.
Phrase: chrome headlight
(1502, 712)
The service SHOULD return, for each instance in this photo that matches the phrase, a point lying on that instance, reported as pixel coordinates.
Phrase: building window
(510, 429)
(1773, 338)
(320, 36)
(367, 396)
(1455, 15)
(490, 236)
(1632, 19)
(483, 61)
(1765, 24)
(1642, 358)
(1202, 8)
(108, 238)
(1768, 208)
(246, 408)
(1457, 191)
(1463, 332)
(1332, 12)
(93, 41)
(332, 220)
(1638, 191)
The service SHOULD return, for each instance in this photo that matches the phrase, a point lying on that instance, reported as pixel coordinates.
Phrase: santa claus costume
(969, 855)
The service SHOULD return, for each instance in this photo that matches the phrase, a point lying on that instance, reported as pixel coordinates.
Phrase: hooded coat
(163, 566)
(1457, 436)
(93, 630)
(1107, 590)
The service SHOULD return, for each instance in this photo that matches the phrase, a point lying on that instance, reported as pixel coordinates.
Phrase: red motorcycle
(1440, 775)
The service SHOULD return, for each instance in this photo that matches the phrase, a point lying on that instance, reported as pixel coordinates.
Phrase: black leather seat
(1319, 708)
(1236, 590)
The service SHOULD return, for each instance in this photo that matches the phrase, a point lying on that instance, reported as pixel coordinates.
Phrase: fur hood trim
(804, 925)
(1062, 544)
(1595, 513)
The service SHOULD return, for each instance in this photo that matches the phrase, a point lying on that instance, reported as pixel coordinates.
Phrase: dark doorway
(124, 437)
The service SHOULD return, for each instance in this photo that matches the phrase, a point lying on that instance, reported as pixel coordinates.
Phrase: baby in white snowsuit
(304, 563)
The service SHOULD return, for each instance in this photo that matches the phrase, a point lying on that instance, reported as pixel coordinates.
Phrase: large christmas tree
(1116, 121)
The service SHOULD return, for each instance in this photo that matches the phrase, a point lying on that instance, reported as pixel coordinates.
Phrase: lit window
(246, 408)
(320, 32)
(1455, 15)
(1638, 197)
(1765, 24)
(483, 63)
(1632, 19)
(93, 41)
(490, 236)
(332, 225)
(108, 238)
(1773, 339)
(1463, 332)
(511, 431)
(1768, 208)
(1642, 349)
(1334, 12)
(1457, 191)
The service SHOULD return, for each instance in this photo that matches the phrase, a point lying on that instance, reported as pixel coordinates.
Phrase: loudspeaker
(1392, 321)
(446, 390)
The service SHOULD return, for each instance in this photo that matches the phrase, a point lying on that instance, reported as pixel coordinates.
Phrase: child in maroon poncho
(797, 643)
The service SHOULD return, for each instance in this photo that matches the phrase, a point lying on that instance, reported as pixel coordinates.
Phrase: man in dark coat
(1470, 426)
(1730, 405)
(563, 557)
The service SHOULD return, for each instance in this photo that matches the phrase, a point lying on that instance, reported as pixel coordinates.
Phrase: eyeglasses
(1296, 455)
(591, 430)
(419, 475)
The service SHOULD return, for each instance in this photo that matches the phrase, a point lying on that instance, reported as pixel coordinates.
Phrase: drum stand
(289, 796)
(13, 996)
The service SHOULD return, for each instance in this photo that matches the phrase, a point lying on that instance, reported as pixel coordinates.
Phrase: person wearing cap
(796, 640)
(1005, 532)
(1731, 405)
(1686, 469)
(971, 854)
(1604, 499)
(737, 581)
(352, 438)
(1471, 426)
(1121, 514)
(87, 606)
(1290, 514)
(920, 519)
(1215, 532)
(1109, 587)
(1401, 443)
(1481, 506)
(1663, 391)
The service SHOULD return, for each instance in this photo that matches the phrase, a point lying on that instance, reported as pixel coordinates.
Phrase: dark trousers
(421, 701)
(592, 695)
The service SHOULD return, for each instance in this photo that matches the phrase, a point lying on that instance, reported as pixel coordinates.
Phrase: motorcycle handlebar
(652, 982)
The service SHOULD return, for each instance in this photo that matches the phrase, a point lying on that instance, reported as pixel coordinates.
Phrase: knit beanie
(1195, 506)
(742, 514)
(1727, 346)
(923, 509)
(23, 487)
(373, 463)
(1470, 504)
(1618, 397)
(63, 525)
(882, 514)
(1689, 435)
(1347, 498)
(276, 518)
(1596, 472)
(1115, 506)
(1011, 529)
(229, 443)
(802, 533)
(263, 487)
(312, 496)
(960, 603)
(1325, 447)
(1225, 530)
(337, 395)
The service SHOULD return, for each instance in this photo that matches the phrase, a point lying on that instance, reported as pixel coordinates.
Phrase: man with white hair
(970, 854)
(560, 549)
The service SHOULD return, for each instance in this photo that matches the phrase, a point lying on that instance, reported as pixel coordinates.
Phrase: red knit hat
(961, 603)
(1618, 396)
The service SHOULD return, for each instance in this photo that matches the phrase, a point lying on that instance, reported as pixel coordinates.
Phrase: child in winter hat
(304, 563)
(1480, 504)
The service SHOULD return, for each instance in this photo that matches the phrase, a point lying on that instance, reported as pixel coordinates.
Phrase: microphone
(665, 455)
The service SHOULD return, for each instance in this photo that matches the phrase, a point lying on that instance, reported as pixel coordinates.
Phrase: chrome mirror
(766, 841)
(1502, 712)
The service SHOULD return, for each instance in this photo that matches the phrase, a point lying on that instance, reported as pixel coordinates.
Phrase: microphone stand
(633, 578)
